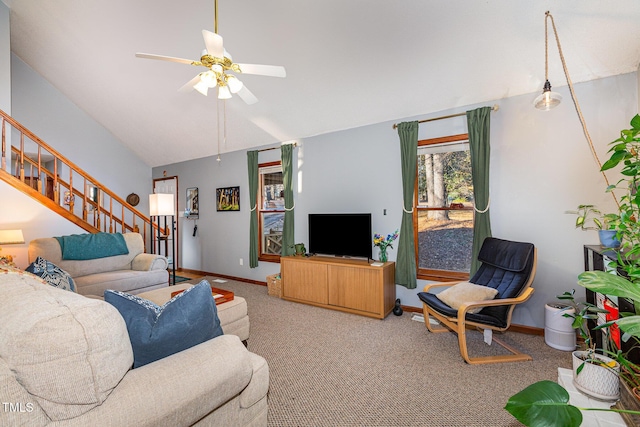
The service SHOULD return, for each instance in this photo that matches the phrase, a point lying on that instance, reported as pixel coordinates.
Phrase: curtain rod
(295, 144)
(494, 108)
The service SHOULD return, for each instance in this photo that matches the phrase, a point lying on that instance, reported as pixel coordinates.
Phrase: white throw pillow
(463, 292)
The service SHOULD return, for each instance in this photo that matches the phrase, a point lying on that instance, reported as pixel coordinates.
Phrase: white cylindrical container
(558, 332)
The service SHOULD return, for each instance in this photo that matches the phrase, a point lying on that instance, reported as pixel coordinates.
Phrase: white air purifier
(558, 332)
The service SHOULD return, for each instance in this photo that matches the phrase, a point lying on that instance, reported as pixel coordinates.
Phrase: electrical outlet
(241, 261)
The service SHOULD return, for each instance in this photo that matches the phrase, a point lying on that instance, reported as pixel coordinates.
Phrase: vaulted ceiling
(349, 62)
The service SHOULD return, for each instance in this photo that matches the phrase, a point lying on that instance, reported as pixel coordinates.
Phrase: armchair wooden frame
(460, 323)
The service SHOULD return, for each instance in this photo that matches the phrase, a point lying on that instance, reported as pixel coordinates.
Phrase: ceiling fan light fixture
(209, 78)
(201, 87)
(547, 99)
(217, 60)
(234, 84)
(223, 92)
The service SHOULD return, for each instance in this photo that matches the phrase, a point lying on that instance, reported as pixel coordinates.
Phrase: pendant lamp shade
(547, 100)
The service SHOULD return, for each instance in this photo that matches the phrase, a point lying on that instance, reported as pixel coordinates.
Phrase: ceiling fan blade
(263, 70)
(213, 42)
(247, 96)
(164, 58)
(188, 87)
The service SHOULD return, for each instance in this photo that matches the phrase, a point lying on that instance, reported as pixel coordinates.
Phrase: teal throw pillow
(52, 274)
(188, 319)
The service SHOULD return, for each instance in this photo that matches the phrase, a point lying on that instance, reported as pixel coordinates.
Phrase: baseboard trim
(224, 276)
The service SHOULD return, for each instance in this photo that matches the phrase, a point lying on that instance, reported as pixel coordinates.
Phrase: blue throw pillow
(52, 274)
(190, 318)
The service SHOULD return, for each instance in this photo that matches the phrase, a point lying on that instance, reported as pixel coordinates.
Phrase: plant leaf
(544, 404)
(609, 284)
(630, 325)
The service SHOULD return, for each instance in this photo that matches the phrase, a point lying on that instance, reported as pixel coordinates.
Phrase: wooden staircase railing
(36, 169)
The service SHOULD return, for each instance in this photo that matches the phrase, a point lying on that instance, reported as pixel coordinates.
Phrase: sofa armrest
(146, 262)
(178, 390)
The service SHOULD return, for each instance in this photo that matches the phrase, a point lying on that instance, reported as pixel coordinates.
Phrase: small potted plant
(593, 373)
(589, 217)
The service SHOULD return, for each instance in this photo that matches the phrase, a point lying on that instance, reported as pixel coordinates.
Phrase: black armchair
(509, 267)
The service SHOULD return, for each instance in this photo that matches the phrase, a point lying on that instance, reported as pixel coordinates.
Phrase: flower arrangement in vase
(384, 243)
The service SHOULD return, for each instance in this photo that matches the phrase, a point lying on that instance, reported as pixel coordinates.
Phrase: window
(270, 210)
(443, 218)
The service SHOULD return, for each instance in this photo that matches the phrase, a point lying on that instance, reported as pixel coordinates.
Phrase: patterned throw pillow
(188, 319)
(52, 274)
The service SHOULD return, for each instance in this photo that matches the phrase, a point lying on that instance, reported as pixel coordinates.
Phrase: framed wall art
(228, 199)
(192, 207)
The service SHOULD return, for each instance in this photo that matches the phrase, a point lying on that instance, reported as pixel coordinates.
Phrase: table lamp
(10, 237)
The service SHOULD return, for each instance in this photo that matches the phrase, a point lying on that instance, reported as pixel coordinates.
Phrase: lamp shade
(9, 237)
(547, 100)
(223, 92)
(161, 204)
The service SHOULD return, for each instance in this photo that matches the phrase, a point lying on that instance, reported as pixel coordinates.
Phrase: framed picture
(228, 199)
(192, 205)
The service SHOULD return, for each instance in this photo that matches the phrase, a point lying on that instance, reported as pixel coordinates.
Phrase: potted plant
(547, 403)
(593, 374)
(589, 217)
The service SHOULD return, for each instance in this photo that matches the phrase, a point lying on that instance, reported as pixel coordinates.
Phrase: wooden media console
(343, 284)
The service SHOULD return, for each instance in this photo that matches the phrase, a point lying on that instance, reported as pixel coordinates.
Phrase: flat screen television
(340, 234)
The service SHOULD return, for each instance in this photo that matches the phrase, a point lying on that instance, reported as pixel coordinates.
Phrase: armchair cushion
(188, 319)
(506, 255)
(462, 292)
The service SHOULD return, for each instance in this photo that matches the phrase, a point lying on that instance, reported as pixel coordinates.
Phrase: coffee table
(219, 295)
(232, 312)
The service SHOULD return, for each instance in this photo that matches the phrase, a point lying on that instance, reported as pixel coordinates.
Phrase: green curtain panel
(406, 261)
(252, 166)
(288, 239)
(478, 121)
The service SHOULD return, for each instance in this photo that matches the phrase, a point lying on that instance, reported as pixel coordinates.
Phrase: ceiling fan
(220, 68)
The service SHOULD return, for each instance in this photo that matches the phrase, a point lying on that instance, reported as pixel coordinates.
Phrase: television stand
(350, 285)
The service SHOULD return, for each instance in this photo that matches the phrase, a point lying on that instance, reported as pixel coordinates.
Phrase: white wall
(5, 59)
(45, 111)
(51, 116)
(18, 211)
(541, 167)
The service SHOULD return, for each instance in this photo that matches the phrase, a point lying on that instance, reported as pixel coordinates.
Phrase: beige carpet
(329, 368)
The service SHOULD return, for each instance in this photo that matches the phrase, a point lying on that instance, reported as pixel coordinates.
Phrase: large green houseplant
(546, 403)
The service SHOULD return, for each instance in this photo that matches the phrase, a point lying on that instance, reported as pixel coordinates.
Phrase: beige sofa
(65, 360)
(132, 273)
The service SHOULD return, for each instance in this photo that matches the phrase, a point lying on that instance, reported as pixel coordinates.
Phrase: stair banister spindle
(39, 169)
(4, 146)
(21, 156)
(84, 200)
(71, 195)
(56, 197)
